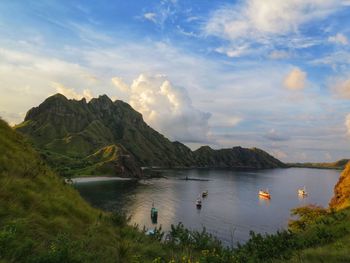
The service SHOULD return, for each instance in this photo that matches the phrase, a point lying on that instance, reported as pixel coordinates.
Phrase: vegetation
(106, 137)
(338, 165)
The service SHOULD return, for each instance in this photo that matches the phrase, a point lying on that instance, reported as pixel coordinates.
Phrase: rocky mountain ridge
(106, 137)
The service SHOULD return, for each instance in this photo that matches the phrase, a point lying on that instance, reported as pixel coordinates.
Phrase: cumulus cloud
(339, 39)
(71, 93)
(347, 123)
(27, 79)
(295, 80)
(168, 109)
(120, 84)
(258, 19)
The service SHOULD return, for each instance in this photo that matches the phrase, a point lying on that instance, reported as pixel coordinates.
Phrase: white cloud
(27, 79)
(279, 54)
(233, 52)
(151, 17)
(339, 39)
(71, 93)
(256, 19)
(168, 109)
(295, 80)
(347, 123)
(120, 84)
(335, 59)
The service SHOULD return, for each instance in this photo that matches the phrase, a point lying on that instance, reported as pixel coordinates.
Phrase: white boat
(302, 192)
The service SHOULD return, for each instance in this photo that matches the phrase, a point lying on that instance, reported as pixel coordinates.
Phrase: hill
(339, 165)
(75, 137)
(237, 157)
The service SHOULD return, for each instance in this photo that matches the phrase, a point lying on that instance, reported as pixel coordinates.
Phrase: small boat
(265, 194)
(302, 192)
(68, 181)
(199, 203)
(154, 214)
(205, 193)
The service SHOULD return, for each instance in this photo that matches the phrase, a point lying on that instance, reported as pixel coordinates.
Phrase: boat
(302, 192)
(199, 203)
(205, 193)
(154, 214)
(68, 181)
(264, 194)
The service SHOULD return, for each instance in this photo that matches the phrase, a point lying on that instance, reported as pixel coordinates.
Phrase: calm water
(232, 207)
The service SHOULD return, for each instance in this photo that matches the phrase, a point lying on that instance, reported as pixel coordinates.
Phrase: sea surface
(232, 208)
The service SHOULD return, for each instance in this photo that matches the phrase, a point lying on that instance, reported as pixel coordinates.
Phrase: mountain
(341, 197)
(237, 157)
(106, 137)
(339, 165)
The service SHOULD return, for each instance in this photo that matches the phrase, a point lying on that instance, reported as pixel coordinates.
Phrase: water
(232, 207)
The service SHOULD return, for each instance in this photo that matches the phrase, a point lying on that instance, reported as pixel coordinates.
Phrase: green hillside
(71, 134)
(237, 157)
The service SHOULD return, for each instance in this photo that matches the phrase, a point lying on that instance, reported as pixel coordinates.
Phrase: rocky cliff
(341, 197)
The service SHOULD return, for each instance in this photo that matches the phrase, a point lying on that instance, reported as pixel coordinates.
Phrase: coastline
(98, 179)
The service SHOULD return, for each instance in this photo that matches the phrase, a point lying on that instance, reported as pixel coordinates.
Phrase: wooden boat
(199, 203)
(302, 192)
(205, 194)
(264, 194)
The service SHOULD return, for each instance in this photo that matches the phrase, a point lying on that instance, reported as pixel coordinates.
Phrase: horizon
(224, 72)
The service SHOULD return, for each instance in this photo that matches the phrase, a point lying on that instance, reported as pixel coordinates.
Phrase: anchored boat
(154, 214)
(205, 194)
(264, 194)
(199, 203)
(302, 192)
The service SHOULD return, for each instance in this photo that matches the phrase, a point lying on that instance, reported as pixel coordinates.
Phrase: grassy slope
(44, 220)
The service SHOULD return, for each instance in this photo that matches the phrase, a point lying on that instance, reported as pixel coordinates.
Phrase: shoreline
(98, 179)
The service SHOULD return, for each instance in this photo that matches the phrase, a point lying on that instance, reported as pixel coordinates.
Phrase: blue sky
(271, 74)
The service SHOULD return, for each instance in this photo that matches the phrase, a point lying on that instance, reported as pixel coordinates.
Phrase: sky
(270, 74)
